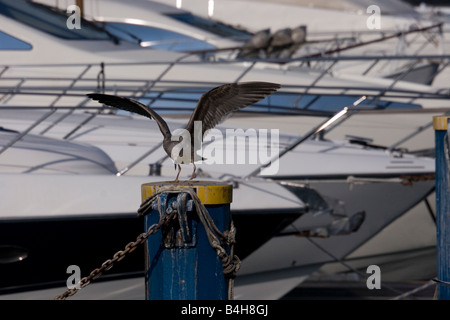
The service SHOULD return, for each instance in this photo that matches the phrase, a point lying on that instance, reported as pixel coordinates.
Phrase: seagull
(212, 108)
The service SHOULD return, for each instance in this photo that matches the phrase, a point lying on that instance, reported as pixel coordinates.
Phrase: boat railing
(22, 85)
(79, 82)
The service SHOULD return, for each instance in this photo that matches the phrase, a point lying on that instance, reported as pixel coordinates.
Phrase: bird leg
(178, 174)
(193, 176)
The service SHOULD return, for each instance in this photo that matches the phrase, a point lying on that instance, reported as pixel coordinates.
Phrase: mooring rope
(230, 262)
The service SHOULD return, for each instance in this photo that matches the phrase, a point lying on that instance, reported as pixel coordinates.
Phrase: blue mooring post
(442, 206)
(180, 262)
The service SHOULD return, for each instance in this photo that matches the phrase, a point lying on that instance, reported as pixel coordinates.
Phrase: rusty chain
(408, 180)
(119, 255)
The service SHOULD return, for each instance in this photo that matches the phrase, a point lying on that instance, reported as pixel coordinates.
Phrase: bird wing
(215, 104)
(132, 106)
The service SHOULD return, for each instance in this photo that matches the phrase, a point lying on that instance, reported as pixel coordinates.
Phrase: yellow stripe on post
(209, 192)
(440, 122)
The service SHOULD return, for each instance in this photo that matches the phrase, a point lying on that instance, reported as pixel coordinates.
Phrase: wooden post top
(440, 122)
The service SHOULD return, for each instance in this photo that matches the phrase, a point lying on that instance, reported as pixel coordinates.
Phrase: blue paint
(190, 272)
(442, 215)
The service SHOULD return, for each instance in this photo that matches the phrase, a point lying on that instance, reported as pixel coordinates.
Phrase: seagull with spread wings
(211, 109)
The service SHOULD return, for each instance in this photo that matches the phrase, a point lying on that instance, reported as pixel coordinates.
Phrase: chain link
(118, 256)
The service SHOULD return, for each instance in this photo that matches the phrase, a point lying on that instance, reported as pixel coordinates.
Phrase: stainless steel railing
(57, 88)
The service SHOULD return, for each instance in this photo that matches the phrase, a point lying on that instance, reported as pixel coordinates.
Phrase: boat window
(212, 26)
(8, 42)
(49, 20)
(279, 102)
(156, 38)
(335, 103)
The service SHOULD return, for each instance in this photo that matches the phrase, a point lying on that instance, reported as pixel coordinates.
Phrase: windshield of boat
(50, 20)
(212, 26)
(156, 38)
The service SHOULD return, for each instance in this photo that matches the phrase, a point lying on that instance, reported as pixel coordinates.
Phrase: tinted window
(8, 42)
(155, 37)
(212, 26)
(280, 102)
(49, 20)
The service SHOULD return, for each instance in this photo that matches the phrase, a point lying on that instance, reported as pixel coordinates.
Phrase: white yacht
(346, 28)
(66, 193)
(349, 189)
(48, 78)
(159, 26)
(340, 16)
